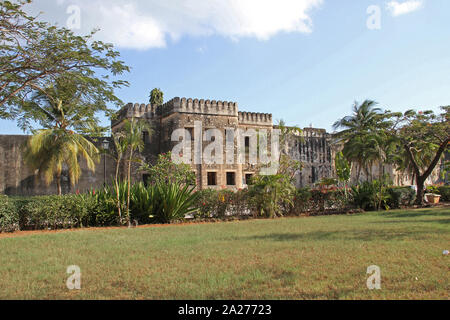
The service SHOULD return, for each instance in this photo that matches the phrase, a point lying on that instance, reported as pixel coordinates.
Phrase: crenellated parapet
(252, 118)
(137, 111)
(192, 106)
(146, 111)
(200, 106)
(315, 133)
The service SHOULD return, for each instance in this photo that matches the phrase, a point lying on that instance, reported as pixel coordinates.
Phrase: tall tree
(424, 137)
(33, 54)
(362, 135)
(48, 150)
(156, 97)
(133, 130)
(118, 153)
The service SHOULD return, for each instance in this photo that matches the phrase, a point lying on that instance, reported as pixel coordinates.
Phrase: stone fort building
(314, 149)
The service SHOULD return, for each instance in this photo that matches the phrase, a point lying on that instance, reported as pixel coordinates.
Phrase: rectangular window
(212, 178)
(231, 178)
(248, 179)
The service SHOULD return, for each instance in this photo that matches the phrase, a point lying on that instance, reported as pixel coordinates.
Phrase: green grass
(292, 258)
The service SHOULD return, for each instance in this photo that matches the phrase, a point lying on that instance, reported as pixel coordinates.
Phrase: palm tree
(48, 150)
(118, 153)
(133, 131)
(362, 138)
(364, 118)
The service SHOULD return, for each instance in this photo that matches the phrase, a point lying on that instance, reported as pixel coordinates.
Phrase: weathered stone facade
(17, 179)
(314, 149)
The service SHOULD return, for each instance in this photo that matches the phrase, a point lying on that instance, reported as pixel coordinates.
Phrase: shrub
(213, 204)
(54, 212)
(302, 201)
(371, 195)
(401, 197)
(224, 203)
(102, 207)
(142, 199)
(171, 201)
(272, 196)
(444, 191)
(9, 216)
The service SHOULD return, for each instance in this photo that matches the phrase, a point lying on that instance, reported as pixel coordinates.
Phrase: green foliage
(48, 150)
(34, 53)
(343, 168)
(132, 131)
(272, 196)
(172, 202)
(54, 212)
(400, 197)
(142, 203)
(213, 203)
(9, 216)
(444, 191)
(363, 136)
(432, 189)
(221, 204)
(156, 97)
(103, 210)
(166, 170)
(302, 201)
(372, 195)
(424, 138)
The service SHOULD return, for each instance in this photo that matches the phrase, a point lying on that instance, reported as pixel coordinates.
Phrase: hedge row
(53, 212)
(9, 216)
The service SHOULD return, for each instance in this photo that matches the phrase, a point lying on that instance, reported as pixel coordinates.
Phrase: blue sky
(306, 69)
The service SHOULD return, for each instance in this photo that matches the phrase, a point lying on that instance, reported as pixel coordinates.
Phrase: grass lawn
(292, 258)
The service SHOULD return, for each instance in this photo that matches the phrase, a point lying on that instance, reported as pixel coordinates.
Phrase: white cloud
(398, 8)
(139, 24)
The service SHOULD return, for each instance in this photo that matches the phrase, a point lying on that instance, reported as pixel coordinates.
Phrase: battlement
(196, 106)
(253, 118)
(315, 133)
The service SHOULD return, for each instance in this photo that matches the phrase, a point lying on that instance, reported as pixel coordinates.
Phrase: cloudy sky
(305, 61)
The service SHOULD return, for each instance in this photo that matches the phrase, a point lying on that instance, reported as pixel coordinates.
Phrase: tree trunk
(129, 188)
(420, 191)
(58, 184)
(117, 190)
(358, 173)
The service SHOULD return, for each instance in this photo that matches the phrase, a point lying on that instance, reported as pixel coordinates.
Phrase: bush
(401, 197)
(9, 216)
(444, 191)
(213, 204)
(272, 196)
(54, 212)
(142, 199)
(223, 203)
(320, 201)
(172, 202)
(371, 195)
(102, 208)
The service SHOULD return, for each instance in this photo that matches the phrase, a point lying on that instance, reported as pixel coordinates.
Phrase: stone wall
(16, 179)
